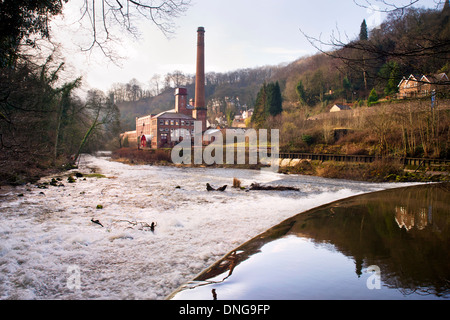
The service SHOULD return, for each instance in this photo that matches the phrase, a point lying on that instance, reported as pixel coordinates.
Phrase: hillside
(129, 110)
(239, 85)
(415, 41)
(358, 73)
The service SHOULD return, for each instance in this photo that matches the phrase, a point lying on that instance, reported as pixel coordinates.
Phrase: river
(51, 249)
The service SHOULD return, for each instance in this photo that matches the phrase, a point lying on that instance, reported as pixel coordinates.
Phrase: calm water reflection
(393, 244)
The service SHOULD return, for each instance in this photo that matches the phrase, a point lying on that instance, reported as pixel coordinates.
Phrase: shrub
(134, 155)
(373, 97)
(308, 139)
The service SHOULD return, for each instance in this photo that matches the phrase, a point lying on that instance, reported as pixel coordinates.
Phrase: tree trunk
(58, 126)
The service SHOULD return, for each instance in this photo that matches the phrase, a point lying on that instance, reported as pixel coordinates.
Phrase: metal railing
(363, 158)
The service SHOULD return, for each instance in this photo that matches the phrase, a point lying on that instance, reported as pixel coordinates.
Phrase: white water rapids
(50, 249)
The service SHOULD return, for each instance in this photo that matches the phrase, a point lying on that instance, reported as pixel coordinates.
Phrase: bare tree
(386, 6)
(102, 111)
(103, 16)
(155, 84)
(411, 37)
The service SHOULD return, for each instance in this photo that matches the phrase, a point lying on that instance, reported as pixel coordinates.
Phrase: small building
(128, 139)
(247, 114)
(438, 83)
(339, 107)
(409, 87)
(422, 86)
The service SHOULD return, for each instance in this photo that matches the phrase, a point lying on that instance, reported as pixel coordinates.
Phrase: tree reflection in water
(404, 231)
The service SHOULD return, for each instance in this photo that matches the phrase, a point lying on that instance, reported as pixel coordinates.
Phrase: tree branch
(120, 13)
(389, 7)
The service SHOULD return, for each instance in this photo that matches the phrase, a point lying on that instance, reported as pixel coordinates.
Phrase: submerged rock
(209, 188)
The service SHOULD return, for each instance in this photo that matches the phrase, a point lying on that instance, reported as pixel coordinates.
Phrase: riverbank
(378, 171)
(16, 173)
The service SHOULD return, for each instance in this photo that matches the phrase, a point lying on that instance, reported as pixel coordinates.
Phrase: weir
(363, 158)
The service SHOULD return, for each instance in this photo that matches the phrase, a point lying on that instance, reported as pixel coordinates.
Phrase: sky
(238, 34)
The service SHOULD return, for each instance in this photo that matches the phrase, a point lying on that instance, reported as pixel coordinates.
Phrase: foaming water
(46, 231)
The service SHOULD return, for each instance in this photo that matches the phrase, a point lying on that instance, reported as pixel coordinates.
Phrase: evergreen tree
(259, 112)
(268, 103)
(446, 7)
(300, 89)
(347, 85)
(373, 97)
(274, 100)
(445, 15)
(363, 34)
(394, 79)
(390, 76)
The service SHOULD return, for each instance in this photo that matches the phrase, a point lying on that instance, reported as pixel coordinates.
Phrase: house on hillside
(247, 114)
(438, 82)
(422, 86)
(408, 87)
(339, 107)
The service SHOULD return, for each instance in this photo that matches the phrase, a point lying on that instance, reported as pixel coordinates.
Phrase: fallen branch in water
(96, 221)
(141, 225)
(257, 186)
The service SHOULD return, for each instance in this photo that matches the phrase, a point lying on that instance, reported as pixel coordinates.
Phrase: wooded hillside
(410, 41)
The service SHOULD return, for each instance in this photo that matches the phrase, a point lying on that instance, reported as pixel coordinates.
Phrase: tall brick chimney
(199, 111)
(181, 101)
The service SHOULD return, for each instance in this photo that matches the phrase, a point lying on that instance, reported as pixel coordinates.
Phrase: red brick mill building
(162, 130)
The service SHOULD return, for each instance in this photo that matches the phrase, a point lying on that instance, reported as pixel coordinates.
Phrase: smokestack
(200, 104)
(200, 74)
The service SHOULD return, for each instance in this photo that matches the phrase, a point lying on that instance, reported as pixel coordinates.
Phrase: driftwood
(209, 188)
(254, 186)
(141, 225)
(257, 186)
(96, 221)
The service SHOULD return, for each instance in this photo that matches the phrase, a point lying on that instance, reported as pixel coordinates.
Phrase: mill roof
(170, 114)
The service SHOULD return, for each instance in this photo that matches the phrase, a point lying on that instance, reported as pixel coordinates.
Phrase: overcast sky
(239, 34)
